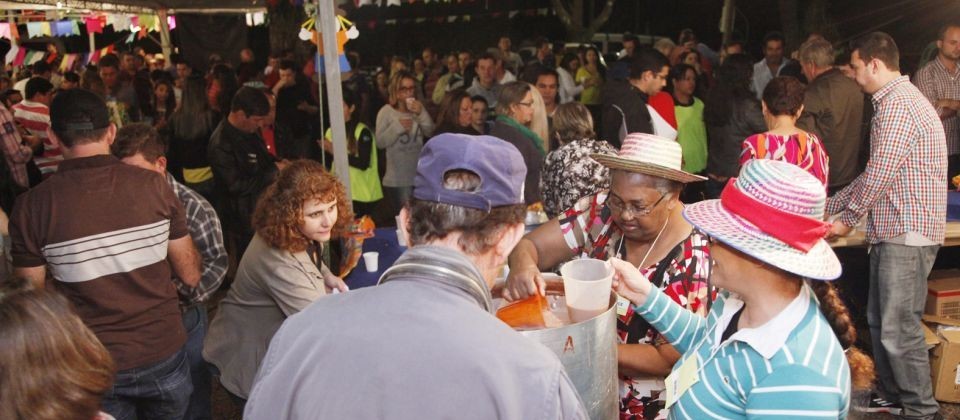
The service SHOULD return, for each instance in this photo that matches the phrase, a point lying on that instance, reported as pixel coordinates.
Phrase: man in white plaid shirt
(140, 145)
(902, 194)
(939, 80)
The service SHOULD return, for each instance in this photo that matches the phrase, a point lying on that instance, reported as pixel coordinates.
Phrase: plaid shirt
(936, 83)
(204, 228)
(16, 153)
(902, 186)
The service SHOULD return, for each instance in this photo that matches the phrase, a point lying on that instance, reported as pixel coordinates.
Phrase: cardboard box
(945, 359)
(943, 294)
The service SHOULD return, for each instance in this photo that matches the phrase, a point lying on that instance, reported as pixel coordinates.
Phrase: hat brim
(820, 263)
(630, 165)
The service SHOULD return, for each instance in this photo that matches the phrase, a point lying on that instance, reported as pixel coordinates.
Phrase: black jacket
(242, 169)
(726, 141)
(633, 104)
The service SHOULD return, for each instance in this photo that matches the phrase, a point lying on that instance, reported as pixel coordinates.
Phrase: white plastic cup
(372, 261)
(586, 284)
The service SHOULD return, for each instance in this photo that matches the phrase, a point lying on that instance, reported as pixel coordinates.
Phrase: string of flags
(18, 56)
(372, 24)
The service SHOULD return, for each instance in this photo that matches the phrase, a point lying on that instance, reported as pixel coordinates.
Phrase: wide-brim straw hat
(772, 212)
(650, 155)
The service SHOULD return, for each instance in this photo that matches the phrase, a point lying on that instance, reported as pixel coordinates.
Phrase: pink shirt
(804, 150)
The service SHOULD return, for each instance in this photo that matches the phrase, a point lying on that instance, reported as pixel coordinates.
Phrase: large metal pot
(588, 351)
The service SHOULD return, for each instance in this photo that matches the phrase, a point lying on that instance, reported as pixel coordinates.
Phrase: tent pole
(164, 35)
(327, 25)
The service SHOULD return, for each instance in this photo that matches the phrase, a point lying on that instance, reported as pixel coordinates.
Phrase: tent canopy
(142, 6)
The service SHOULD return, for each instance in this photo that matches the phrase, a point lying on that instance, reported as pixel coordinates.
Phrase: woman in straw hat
(778, 341)
(639, 220)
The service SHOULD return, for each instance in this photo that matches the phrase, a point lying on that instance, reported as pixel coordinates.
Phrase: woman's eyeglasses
(618, 206)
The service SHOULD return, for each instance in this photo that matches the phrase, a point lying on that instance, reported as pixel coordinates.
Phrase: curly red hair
(279, 211)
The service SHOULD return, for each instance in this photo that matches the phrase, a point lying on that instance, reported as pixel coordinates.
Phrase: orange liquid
(525, 314)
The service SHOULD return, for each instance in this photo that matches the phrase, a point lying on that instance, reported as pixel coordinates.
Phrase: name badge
(622, 305)
(682, 379)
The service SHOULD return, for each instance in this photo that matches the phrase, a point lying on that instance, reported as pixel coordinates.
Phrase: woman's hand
(629, 282)
(333, 282)
(523, 283)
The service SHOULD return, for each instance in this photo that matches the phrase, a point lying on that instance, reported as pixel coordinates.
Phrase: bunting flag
(172, 21)
(94, 57)
(74, 27)
(94, 25)
(130, 38)
(12, 54)
(14, 32)
(33, 57)
(5, 30)
(148, 22)
(45, 28)
(65, 28)
(67, 62)
(21, 55)
(34, 30)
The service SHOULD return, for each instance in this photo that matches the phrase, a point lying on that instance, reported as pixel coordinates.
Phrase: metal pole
(326, 23)
(164, 35)
(726, 21)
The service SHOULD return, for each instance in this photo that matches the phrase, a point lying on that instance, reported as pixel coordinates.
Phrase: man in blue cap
(425, 343)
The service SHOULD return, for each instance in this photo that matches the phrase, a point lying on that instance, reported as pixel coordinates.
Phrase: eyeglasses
(526, 104)
(406, 88)
(618, 206)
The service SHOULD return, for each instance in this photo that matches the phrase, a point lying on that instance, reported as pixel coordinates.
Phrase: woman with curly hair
(281, 271)
(51, 366)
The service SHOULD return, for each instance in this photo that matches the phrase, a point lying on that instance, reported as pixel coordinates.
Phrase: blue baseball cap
(498, 164)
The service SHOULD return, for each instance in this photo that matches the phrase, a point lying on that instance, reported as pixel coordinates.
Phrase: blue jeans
(158, 391)
(195, 322)
(898, 292)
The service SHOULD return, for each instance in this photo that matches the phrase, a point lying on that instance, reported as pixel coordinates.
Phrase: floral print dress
(569, 174)
(589, 231)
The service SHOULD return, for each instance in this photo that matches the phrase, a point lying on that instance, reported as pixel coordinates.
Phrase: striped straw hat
(772, 212)
(651, 155)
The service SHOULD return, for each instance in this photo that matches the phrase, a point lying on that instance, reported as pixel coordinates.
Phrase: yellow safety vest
(364, 183)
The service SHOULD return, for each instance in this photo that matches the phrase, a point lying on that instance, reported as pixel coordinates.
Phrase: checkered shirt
(902, 189)
(14, 151)
(936, 82)
(204, 228)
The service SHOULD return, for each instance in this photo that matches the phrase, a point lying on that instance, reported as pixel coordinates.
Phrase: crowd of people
(704, 176)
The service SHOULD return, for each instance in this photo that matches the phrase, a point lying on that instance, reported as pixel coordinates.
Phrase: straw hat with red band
(651, 155)
(772, 212)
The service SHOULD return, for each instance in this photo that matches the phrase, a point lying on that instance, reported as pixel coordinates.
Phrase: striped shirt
(902, 187)
(102, 228)
(35, 117)
(790, 367)
(204, 227)
(804, 150)
(15, 152)
(936, 82)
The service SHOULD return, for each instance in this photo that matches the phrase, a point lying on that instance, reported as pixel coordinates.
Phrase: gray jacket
(410, 348)
(271, 284)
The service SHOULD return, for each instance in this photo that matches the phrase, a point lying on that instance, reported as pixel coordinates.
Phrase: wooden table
(858, 238)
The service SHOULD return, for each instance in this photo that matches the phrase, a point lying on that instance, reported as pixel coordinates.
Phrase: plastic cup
(372, 261)
(586, 284)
